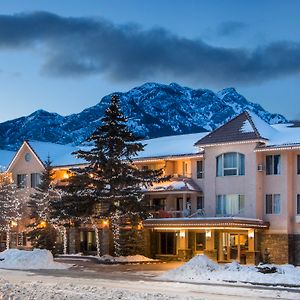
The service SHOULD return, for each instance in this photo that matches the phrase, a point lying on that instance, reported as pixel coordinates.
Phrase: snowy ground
(24, 285)
(89, 280)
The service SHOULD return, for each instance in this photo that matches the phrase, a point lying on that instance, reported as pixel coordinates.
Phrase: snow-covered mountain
(153, 110)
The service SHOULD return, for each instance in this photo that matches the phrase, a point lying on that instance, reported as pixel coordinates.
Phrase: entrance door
(232, 246)
(167, 243)
(87, 241)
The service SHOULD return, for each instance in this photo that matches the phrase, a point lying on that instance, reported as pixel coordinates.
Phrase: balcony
(186, 213)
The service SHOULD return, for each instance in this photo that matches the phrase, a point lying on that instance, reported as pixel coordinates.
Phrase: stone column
(105, 240)
(184, 252)
(74, 240)
(210, 250)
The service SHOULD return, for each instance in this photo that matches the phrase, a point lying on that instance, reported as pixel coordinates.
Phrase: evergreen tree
(110, 186)
(43, 233)
(10, 205)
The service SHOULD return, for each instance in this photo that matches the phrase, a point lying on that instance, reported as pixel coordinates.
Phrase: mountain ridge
(153, 110)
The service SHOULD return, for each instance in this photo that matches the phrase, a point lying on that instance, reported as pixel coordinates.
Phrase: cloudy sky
(63, 56)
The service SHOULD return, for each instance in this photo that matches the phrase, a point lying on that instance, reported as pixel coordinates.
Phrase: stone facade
(279, 246)
(296, 242)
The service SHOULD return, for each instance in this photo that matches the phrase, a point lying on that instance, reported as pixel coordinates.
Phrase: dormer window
(231, 164)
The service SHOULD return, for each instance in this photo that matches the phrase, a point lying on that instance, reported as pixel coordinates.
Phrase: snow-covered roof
(171, 145)
(284, 135)
(175, 185)
(5, 158)
(60, 155)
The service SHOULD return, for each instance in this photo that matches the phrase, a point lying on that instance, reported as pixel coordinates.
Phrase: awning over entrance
(207, 222)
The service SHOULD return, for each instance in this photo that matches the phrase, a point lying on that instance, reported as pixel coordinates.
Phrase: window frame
(298, 164)
(35, 178)
(226, 202)
(273, 207)
(239, 168)
(21, 183)
(200, 199)
(298, 205)
(200, 169)
(271, 167)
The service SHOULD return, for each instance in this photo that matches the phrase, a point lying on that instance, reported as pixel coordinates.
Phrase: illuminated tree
(110, 186)
(10, 205)
(43, 233)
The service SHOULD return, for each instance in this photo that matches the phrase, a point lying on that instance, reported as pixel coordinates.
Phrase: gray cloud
(87, 46)
(231, 28)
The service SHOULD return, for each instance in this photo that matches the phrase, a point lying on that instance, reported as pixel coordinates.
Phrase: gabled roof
(245, 127)
(60, 155)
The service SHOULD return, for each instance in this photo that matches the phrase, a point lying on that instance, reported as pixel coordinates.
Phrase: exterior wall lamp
(208, 234)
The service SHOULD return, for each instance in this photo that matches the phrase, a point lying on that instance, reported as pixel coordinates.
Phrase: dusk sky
(64, 56)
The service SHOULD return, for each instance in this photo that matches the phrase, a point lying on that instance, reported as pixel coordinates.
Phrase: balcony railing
(162, 214)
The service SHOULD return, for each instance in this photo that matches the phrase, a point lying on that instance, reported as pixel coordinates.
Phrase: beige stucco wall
(21, 166)
(245, 185)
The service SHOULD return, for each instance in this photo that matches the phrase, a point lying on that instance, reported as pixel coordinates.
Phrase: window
(298, 164)
(273, 205)
(184, 169)
(298, 205)
(232, 204)
(273, 164)
(230, 164)
(200, 170)
(35, 180)
(200, 241)
(200, 202)
(21, 181)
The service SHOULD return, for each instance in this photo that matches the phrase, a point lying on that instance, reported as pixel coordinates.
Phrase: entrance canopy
(207, 222)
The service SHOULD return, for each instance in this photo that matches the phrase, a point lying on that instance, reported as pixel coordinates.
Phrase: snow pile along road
(29, 260)
(201, 269)
(126, 259)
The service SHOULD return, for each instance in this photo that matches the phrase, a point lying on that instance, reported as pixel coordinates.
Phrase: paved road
(132, 272)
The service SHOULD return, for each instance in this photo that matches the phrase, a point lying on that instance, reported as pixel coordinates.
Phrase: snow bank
(29, 260)
(202, 269)
(125, 259)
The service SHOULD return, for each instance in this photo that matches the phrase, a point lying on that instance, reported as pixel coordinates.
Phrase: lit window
(21, 181)
(200, 169)
(273, 205)
(231, 164)
(273, 164)
(228, 205)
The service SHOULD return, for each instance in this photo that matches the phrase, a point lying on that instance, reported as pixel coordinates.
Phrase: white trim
(231, 143)
(276, 148)
(164, 158)
(25, 143)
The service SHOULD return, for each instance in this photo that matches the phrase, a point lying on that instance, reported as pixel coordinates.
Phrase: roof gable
(244, 127)
(25, 147)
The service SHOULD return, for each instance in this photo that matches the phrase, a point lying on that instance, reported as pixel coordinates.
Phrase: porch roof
(206, 222)
(175, 185)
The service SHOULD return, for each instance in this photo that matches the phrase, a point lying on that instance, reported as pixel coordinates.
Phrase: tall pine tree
(110, 186)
